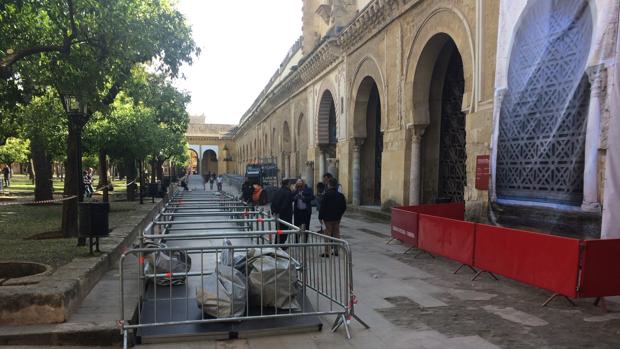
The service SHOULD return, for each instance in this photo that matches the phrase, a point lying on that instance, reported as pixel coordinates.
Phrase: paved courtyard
(418, 302)
(414, 302)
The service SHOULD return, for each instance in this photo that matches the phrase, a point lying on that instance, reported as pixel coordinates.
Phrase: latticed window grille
(453, 155)
(540, 155)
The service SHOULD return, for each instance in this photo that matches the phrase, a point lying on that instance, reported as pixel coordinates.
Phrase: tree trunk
(130, 167)
(103, 174)
(73, 180)
(42, 168)
(160, 169)
(153, 170)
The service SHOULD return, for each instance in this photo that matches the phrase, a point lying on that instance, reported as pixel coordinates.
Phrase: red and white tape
(13, 203)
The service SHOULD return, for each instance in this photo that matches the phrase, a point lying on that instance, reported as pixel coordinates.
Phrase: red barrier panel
(447, 237)
(600, 274)
(546, 261)
(451, 210)
(405, 226)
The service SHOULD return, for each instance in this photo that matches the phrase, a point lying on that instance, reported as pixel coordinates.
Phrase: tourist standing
(282, 205)
(219, 181)
(326, 177)
(332, 208)
(211, 181)
(320, 190)
(302, 203)
(6, 173)
(87, 180)
(246, 190)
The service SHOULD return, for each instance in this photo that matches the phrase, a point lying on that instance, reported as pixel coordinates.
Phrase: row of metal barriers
(208, 258)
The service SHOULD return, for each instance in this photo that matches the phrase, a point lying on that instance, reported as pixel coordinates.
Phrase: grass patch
(21, 224)
(22, 186)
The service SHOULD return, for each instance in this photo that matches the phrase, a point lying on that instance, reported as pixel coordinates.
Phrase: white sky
(243, 42)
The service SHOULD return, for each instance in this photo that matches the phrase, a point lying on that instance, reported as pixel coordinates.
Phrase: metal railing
(320, 283)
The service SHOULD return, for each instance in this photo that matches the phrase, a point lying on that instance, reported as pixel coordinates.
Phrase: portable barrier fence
(234, 275)
(567, 267)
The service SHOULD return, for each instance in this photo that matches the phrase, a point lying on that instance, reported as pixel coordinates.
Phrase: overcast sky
(243, 42)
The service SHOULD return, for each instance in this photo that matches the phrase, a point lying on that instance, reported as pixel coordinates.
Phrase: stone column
(308, 176)
(321, 160)
(332, 166)
(593, 131)
(287, 165)
(417, 132)
(357, 190)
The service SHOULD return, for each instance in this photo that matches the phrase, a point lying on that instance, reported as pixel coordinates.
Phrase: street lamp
(77, 112)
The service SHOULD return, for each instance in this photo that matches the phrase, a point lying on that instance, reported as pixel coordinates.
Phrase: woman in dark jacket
(282, 205)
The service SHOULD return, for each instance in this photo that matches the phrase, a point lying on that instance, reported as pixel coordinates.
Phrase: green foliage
(87, 48)
(14, 150)
(43, 120)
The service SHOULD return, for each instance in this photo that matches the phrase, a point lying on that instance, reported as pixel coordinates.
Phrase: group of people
(296, 206)
(212, 178)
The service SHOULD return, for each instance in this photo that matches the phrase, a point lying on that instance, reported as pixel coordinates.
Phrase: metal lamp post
(77, 111)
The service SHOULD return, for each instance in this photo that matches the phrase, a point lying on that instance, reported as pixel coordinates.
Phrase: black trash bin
(93, 221)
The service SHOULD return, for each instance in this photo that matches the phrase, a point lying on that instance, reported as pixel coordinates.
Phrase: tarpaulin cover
(601, 271)
(164, 262)
(546, 261)
(272, 278)
(223, 293)
(447, 237)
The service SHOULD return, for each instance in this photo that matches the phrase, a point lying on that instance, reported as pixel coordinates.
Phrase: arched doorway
(193, 160)
(543, 116)
(209, 162)
(326, 130)
(367, 126)
(443, 153)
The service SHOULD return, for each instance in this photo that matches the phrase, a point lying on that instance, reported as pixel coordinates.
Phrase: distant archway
(193, 160)
(209, 162)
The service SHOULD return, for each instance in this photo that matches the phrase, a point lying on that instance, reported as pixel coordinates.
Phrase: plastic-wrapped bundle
(166, 262)
(223, 293)
(272, 278)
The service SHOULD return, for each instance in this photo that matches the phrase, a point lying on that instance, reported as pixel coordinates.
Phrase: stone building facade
(405, 101)
(209, 147)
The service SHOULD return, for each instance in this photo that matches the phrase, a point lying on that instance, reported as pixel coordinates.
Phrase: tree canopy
(14, 150)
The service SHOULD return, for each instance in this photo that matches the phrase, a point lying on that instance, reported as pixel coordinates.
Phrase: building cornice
(370, 20)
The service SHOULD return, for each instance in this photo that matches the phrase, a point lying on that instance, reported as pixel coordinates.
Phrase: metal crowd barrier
(324, 283)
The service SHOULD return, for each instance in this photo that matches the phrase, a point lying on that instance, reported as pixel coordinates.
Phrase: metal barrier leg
(484, 271)
(553, 296)
(125, 342)
(360, 321)
(465, 265)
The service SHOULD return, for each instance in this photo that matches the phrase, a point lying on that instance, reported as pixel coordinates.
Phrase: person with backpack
(282, 205)
(332, 209)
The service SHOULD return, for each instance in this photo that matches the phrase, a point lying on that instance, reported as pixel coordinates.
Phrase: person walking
(332, 208)
(302, 203)
(219, 181)
(6, 173)
(282, 205)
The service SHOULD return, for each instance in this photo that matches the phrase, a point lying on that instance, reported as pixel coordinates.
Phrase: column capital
(357, 143)
(310, 163)
(417, 131)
